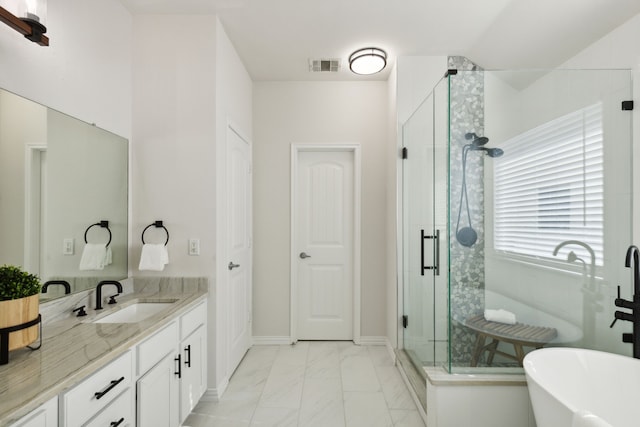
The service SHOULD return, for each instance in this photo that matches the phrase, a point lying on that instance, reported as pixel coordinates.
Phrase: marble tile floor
(312, 384)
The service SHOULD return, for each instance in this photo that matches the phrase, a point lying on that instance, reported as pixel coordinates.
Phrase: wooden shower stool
(520, 335)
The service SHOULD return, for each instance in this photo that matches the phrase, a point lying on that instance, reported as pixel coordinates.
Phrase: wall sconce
(28, 19)
(369, 60)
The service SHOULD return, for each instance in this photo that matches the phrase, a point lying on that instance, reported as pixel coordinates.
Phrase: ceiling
(276, 38)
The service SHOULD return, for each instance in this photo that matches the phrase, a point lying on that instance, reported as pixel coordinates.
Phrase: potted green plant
(19, 303)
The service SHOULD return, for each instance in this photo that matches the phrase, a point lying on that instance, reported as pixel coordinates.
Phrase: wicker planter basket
(16, 312)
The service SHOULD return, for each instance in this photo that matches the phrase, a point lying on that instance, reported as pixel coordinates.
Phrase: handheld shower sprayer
(467, 236)
(491, 152)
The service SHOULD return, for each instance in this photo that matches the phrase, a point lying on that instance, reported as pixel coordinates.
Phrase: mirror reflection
(63, 196)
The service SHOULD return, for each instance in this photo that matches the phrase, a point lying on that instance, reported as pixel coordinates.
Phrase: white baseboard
(369, 340)
(271, 340)
(211, 395)
(391, 351)
(214, 394)
(372, 341)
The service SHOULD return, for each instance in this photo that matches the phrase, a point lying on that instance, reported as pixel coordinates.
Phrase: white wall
(188, 81)
(316, 112)
(620, 49)
(417, 76)
(173, 150)
(86, 70)
(234, 97)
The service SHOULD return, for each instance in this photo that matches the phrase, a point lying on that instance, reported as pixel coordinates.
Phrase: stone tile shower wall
(466, 110)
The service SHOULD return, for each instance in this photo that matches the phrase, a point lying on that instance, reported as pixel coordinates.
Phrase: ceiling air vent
(324, 65)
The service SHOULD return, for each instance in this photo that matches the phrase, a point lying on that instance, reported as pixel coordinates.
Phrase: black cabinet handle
(179, 372)
(187, 356)
(116, 423)
(114, 383)
(422, 267)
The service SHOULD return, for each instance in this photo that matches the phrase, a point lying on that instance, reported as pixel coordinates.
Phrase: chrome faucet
(117, 284)
(634, 305)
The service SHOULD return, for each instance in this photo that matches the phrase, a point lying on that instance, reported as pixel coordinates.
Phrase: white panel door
(239, 246)
(325, 244)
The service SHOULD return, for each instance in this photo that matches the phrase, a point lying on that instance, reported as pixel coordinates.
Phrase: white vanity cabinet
(172, 370)
(154, 383)
(46, 415)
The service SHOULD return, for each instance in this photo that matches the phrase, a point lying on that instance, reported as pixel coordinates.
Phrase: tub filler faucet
(634, 305)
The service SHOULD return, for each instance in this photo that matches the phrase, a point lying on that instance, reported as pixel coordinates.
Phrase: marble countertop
(73, 348)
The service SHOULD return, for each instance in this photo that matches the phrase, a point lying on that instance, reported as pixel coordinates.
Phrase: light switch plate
(67, 246)
(194, 246)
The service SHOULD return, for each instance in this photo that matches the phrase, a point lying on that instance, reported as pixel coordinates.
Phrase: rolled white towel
(584, 418)
(500, 316)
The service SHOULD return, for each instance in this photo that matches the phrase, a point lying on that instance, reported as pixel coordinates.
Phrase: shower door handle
(436, 249)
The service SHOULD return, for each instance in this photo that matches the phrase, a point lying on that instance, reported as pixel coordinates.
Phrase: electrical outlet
(67, 246)
(194, 246)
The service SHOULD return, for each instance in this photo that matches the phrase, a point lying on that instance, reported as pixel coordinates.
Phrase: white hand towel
(587, 419)
(108, 259)
(153, 257)
(500, 316)
(93, 257)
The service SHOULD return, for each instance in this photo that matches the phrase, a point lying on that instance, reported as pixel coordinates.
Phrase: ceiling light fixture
(369, 60)
(28, 19)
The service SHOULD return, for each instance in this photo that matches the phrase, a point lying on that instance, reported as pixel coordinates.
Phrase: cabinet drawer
(119, 412)
(190, 321)
(44, 416)
(154, 348)
(97, 391)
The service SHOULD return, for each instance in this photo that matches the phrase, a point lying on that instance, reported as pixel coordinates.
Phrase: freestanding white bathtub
(573, 387)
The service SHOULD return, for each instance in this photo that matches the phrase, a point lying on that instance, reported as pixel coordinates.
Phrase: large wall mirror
(60, 178)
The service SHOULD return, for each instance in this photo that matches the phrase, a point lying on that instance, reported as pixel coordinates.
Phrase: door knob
(304, 255)
(232, 265)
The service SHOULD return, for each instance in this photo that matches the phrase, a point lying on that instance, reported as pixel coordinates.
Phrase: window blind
(548, 187)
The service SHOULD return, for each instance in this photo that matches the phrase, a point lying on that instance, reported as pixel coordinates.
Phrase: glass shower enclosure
(516, 213)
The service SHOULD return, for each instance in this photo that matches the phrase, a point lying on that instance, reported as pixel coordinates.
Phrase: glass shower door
(424, 229)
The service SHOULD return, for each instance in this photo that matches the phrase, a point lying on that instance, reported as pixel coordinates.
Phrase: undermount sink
(135, 312)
